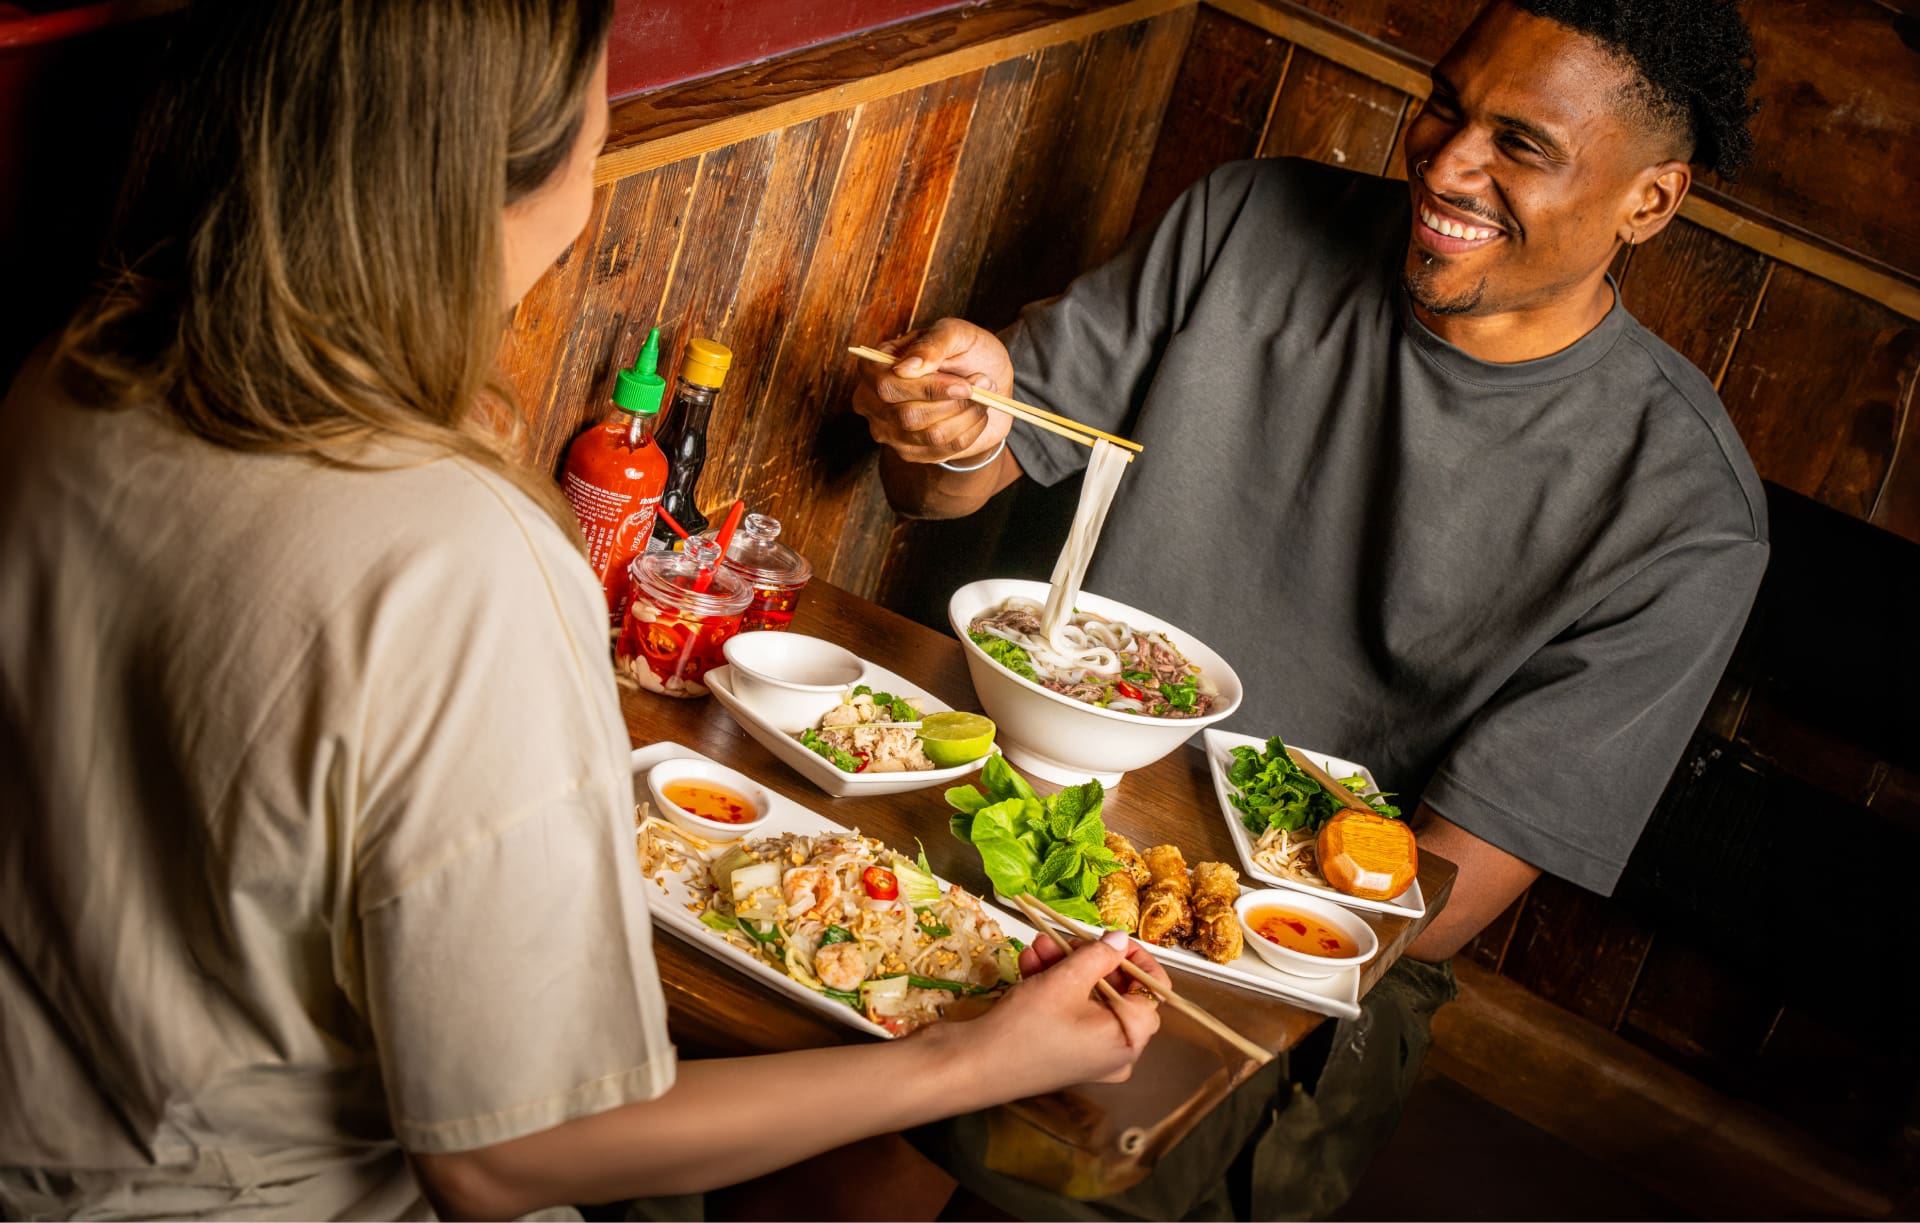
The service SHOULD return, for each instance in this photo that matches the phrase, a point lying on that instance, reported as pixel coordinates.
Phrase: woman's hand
(920, 408)
(1052, 1030)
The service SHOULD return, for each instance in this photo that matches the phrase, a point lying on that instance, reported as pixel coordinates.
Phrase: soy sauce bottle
(683, 437)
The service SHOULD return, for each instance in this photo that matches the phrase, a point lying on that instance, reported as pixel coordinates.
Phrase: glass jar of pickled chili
(674, 628)
(776, 572)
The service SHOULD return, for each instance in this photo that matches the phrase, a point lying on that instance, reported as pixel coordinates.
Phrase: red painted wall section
(658, 42)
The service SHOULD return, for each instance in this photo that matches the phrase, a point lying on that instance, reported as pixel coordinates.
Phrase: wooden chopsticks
(1039, 418)
(1345, 797)
(1045, 920)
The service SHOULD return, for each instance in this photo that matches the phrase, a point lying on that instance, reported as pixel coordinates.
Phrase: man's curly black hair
(1695, 61)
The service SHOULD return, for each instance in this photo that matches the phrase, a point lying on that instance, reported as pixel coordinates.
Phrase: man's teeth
(1454, 229)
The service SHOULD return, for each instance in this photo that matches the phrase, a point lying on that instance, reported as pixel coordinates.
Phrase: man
(1409, 463)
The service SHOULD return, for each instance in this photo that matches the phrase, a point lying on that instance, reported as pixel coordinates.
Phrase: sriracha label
(613, 480)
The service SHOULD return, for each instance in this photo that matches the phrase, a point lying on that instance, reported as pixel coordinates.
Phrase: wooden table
(1089, 1141)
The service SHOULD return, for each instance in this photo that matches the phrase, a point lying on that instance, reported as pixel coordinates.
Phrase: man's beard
(1419, 282)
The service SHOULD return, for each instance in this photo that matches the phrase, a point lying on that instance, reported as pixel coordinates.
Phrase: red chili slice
(880, 883)
(662, 641)
(1128, 690)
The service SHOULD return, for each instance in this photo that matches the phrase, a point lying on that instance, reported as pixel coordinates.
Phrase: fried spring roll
(1166, 914)
(1130, 858)
(1216, 928)
(1118, 901)
(1215, 881)
(1167, 868)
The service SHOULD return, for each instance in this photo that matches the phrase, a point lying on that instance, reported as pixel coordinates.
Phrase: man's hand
(919, 408)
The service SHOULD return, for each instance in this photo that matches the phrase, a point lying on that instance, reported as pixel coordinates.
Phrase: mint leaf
(1063, 860)
(1060, 822)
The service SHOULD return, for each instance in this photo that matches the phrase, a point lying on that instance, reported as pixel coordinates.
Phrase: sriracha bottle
(615, 473)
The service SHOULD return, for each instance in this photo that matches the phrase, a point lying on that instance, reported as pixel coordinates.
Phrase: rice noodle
(1084, 645)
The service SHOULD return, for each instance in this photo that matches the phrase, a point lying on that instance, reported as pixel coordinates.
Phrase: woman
(317, 887)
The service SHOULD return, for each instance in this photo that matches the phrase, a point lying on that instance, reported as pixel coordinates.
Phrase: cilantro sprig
(897, 708)
(1271, 791)
(840, 758)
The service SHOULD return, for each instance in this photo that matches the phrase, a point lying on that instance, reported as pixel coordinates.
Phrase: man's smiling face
(1524, 166)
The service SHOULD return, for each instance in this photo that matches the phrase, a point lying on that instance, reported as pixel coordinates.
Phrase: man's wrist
(993, 456)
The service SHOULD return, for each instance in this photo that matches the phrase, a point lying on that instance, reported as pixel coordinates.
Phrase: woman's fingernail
(982, 381)
(1116, 939)
(958, 390)
(912, 367)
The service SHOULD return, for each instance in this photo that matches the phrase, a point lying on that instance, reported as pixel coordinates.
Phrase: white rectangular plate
(817, 769)
(1219, 745)
(1338, 995)
(669, 897)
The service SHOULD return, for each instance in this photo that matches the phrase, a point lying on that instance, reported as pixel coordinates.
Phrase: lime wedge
(955, 738)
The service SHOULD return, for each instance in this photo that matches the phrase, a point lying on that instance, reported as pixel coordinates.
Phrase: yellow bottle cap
(705, 363)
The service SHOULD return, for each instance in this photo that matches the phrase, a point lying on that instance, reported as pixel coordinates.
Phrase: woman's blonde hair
(309, 251)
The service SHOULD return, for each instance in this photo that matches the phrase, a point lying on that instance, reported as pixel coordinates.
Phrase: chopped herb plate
(669, 897)
(1219, 745)
(819, 770)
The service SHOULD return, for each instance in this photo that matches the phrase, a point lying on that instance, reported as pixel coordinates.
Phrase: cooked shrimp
(810, 891)
(841, 966)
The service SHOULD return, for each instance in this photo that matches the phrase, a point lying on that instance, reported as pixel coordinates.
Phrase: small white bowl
(790, 679)
(1067, 741)
(667, 772)
(1299, 963)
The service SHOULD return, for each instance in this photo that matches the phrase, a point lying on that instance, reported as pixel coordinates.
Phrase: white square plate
(669, 897)
(817, 769)
(1219, 745)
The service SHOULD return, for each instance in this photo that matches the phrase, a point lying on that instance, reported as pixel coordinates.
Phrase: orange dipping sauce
(710, 802)
(1300, 932)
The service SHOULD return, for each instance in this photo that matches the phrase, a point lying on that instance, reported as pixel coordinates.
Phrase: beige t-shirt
(317, 836)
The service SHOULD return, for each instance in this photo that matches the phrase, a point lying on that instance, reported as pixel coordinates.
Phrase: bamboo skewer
(1039, 418)
(1345, 797)
(1037, 909)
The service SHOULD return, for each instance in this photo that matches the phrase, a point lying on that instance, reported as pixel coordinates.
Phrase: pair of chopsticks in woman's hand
(1039, 418)
(1050, 923)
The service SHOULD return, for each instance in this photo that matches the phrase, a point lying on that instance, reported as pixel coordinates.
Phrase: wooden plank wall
(981, 190)
(969, 195)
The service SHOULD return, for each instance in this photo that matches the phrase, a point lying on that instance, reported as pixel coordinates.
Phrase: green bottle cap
(641, 388)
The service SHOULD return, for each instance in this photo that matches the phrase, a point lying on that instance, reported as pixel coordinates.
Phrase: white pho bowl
(789, 679)
(1067, 741)
(688, 768)
(1299, 963)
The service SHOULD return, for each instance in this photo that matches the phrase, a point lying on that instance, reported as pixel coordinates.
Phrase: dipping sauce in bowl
(1300, 932)
(711, 802)
(1304, 935)
(711, 799)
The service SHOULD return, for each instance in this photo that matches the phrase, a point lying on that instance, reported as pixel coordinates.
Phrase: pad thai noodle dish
(870, 732)
(1090, 658)
(851, 919)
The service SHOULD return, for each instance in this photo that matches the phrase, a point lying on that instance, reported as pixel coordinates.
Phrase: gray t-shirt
(1507, 589)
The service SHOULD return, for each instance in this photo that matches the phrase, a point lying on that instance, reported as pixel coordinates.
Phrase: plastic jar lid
(669, 578)
(756, 554)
